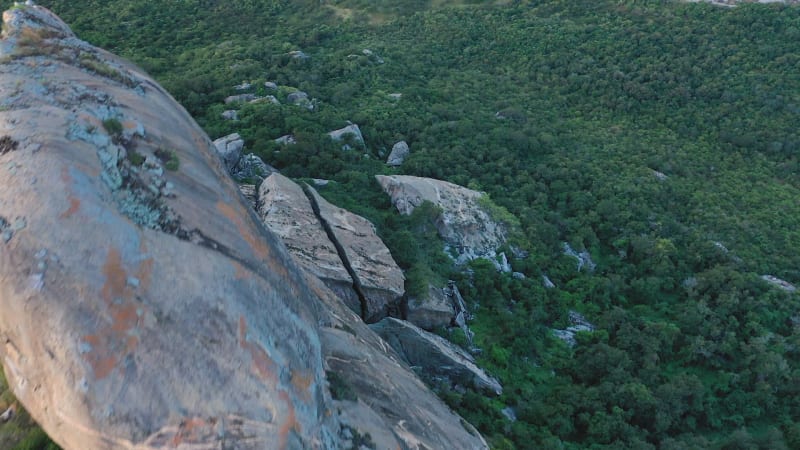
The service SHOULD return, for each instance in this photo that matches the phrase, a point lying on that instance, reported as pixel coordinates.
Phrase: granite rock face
(230, 149)
(351, 131)
(464, 224)
(140, 302)
(435, 355)
(337, 246)
(286, 211)
(144, 306)
(400, 152)
(432, 310)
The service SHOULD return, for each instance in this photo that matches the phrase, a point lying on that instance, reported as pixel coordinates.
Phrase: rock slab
(464, 224)
(435, 355)
(400, 152)
(379, 283)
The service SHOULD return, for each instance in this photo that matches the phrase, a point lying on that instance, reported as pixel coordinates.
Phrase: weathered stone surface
(287, 211)
(230, 114)
(152, 311)
(435, 355)
(229, 149)
(431, 311)
(381, 279)
(137, 317)
(250, 193)
(464, 225)
(351, 131)
(301, 99)
(239, 98)
(400, 152)
(387, 396)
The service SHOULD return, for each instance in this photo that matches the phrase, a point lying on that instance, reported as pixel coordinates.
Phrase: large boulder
(286, 211)
(351, 131)
(466, 226)
(375, 273)
(431, 310)
(400, 152)
(229, 149)
(437, 357)
(339, 247)
(144, 306)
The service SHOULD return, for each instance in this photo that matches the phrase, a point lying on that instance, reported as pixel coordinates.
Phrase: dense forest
(659, 136)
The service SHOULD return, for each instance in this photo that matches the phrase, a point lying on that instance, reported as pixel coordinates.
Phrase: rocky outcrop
(375, 273)
(144, 305)
(464, 224)
(437, 357)
(400, 152)
(251, 168)
(239, 98)
(229, 149)
(286, 211)
(351, 131)
(432, 310)
(582, 258)
(300, 98)
(230, 114)
(578, 323)
(340, 248)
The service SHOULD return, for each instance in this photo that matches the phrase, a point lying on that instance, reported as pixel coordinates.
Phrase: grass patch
(136, 159)
(170, 159)
(92, 63)
(113, 127)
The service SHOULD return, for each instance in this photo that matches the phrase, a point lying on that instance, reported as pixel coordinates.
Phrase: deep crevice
(357, 288)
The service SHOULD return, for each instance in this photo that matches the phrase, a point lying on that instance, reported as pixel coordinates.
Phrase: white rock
(230, 149)
(400, 152)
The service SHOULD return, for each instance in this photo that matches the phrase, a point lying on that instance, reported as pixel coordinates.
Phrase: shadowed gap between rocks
(362, 298)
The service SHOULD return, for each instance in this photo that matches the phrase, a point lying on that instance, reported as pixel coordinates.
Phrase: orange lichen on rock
(101, 363)
(302, 384)
(290, 424)
(114, 340)
(263, 365)
(116, 278)
(74, 205)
